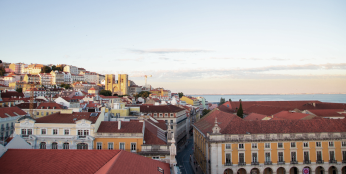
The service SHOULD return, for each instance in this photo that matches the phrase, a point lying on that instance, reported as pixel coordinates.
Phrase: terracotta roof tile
(11, 111)
(161, 109)
(132, 126)
(327, 112)
(50, 105)
(254, 116)
(286, 115)
(68, 118)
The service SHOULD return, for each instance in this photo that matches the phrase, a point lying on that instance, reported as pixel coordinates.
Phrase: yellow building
(24, 85)
(121, 86)
(224, 143)
(63, 130)
(30, 78)
(190, 100)
(160, 92)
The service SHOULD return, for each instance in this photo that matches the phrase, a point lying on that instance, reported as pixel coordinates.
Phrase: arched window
(55, 145)
(66, 146)
(82, 146)
(43, 145)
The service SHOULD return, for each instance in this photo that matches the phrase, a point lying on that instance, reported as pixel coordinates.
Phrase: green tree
(59, 68)
(205, 112)
(229, 100)
(240, 110)
(20, 90)
(105, 92)
(66, 86)
(143, 94)
(46, 69)
(181, 94)
(222, 101)
(2, 71)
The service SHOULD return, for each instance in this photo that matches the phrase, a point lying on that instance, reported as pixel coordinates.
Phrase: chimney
(314, 104)
(119, 124)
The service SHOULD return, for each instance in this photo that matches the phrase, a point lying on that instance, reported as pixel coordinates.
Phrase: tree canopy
(240, 110)
(222, 101)
(105, 92)
(205, 112)
(59, 68)
(66, 86)
(20, 90)
(143, 94)
(46, 69)
(181, 94)
(2, 71)
(229, 100)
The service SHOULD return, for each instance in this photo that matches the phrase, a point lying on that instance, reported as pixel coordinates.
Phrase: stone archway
(306, 170)
(294, 170)
(268, 170)
(255, 171)
(241, 171)
(332, 170)
(320, 170)
(343, 170)
(228, 171)
(281, 170)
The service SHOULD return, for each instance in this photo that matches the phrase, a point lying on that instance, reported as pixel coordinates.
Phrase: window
(29, 131)
(241, 146)
(66, 146)
(67, 132)
(331, 155)
(306, 144)
(55, 145)
(254, 145)
(98, 146)
(110, 146)
(55, 131)
(293, 156)
(318, 144)
(155, 157)
(41, 113)
(228, 158)
(267, 145)
(281, 156)
(306, 156)
(267, 156)
(155, 114)
(331, 144)
(280, 145)
(171, 127)
(343, 144)
(43, 131)
(172, 115)
(228, 146)
(42, 145)
(319, 156)
(160, 115)
(83, 133)
(133, 147)
(171, 121)
(254, 157)
(38, 113)
(166, 115)
(47, 113)
(293, 144)
(122, 146)
(241, 157)
(82, 146)
(344, 155)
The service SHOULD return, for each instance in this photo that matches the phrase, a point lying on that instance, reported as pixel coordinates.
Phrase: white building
(8, 116)
(71, 69)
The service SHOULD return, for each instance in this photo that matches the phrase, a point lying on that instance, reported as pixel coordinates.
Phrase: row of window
(6, 134)
(111, 146)
(7, 126)
(267, 155)
(161, 115)
(280, 145)
(55, 132)
(43, 145)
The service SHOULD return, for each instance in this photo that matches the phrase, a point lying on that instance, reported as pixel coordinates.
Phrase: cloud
(163, 58)
(170, 50)
(249, 73)
(251, 58)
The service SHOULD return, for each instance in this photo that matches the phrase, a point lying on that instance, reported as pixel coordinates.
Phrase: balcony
(25, 135)
(281, 162)
(254, 163)
(294, 162)
(2, 129)
(229, 164)
(242, 164)
(268, 163)
(81, 136)
(7, 128)
(307, 162)
(333, 161)
(320, 162)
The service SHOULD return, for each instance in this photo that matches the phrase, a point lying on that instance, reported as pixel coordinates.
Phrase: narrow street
(183, 158)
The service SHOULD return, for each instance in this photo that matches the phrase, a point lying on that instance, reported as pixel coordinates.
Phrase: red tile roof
(11, 111)
(130, 163)
(160, 123)
(327, 112)
(286, 115)
(132, 126)
(55, 161)
(160, 109)
(8, 94)
(152, 139)
(25, 105)
(50, 105)
(68, 118)
(264, 110)
(254, 116)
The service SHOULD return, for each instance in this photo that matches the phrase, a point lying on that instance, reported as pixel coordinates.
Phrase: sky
(195, 47)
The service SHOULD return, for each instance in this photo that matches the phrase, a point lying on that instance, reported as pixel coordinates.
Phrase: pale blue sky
(185, 44)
